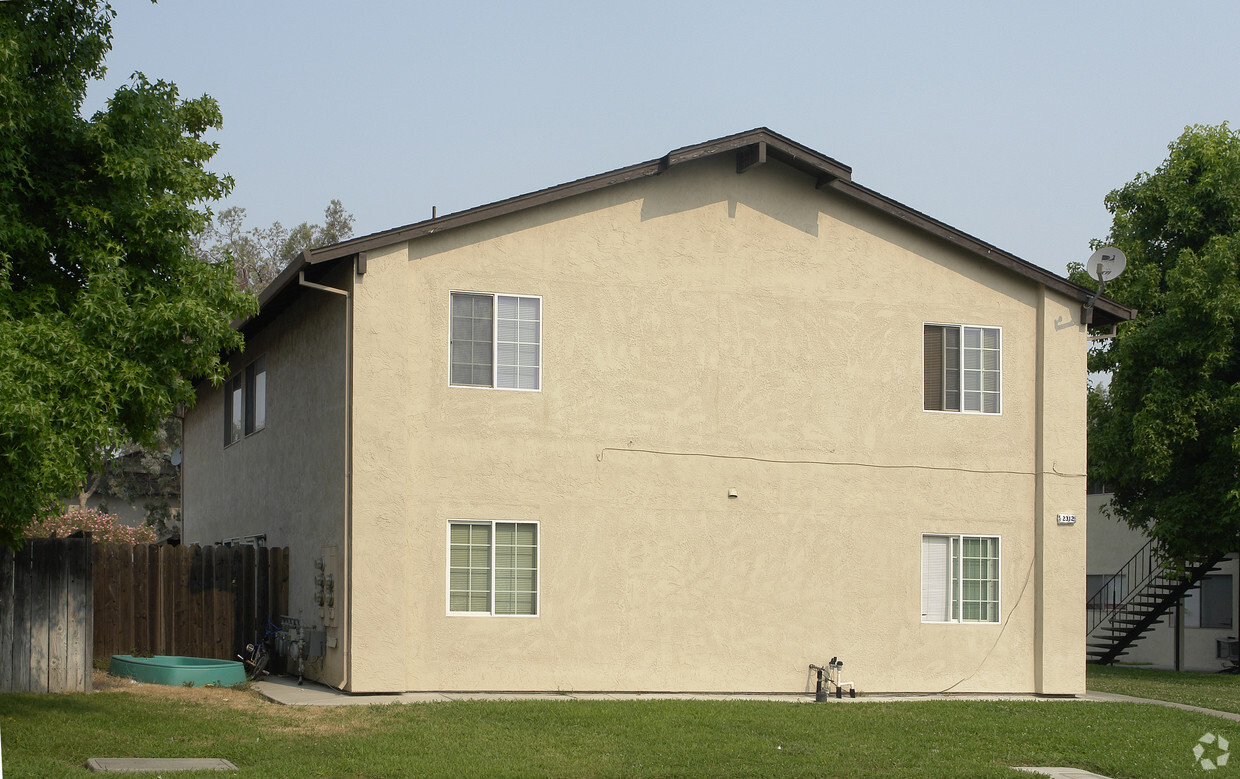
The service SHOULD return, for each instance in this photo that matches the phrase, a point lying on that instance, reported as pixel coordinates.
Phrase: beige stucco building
(691, 425)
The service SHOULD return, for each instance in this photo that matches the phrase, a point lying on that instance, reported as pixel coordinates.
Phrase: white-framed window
(496, 341)
(256, 395)
(245, 401)
(492, 568)
(1105, 591)
(959, 578)
(962, 368)
(234, 407)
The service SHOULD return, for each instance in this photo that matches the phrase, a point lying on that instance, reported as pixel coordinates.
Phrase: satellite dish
(1106, 264)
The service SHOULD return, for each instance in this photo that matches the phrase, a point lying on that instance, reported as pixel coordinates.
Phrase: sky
(1008, 121)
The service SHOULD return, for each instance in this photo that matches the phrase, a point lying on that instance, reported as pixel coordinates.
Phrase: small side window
(256, 395)
(233, 407)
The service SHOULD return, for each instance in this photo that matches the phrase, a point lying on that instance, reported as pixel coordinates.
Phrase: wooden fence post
(44, 639)
(7, 597)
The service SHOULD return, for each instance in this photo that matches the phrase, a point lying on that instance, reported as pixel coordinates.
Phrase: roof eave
(751, 147)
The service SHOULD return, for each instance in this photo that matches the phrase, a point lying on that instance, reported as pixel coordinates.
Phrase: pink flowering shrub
(103, 528)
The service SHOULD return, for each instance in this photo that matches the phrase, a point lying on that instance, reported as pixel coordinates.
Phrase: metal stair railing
(1131, 613)
(1144, 566)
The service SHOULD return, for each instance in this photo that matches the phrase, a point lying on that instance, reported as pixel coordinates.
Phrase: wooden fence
(45, 616)
(185, 600)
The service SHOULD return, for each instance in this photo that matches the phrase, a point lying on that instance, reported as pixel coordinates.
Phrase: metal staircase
(1135, 598)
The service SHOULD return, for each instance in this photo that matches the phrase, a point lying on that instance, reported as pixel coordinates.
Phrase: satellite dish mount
(1105, 264)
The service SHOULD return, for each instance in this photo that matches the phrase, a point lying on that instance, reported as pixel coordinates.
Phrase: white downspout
(346, 560)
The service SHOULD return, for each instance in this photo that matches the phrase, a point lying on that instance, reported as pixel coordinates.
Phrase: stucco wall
(288, 479)
(706, 332)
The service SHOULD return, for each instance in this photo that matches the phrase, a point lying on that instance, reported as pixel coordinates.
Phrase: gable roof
(754, 147)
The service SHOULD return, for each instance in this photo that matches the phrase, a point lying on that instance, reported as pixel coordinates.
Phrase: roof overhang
(751, 148)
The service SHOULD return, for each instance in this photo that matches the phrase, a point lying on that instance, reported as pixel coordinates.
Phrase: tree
(258, 255)
(106, 313)
(1165, 435)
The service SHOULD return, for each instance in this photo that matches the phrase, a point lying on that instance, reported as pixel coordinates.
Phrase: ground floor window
(959, 578)
(1104, 591)
(493, 568)
(1209, 604)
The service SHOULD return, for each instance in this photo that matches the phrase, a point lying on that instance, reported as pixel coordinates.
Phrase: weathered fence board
(6, 620)
(64, 602)
(80, 639)
(185, 600)
(45, 607)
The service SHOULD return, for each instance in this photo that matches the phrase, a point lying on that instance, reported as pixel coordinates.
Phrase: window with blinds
(493, 568)
(961, 368)
(959, 578)
(496, 341)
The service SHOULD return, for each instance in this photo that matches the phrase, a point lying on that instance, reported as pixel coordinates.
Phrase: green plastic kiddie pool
(174, 670)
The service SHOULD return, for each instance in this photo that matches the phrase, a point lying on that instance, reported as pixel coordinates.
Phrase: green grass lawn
(54, 735)
(1208, 690)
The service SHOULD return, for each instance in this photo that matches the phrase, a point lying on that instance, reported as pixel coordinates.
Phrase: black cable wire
(848, 463)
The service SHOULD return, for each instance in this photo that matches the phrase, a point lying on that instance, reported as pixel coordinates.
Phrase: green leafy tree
(259, 254)
(106, 313)
(1165, 434)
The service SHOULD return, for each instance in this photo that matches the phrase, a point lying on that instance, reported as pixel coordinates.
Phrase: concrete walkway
(285, 691)
(1117, 698)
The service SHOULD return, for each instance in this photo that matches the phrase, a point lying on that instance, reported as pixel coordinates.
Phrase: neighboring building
(140, 489)
(691, 425)
(1187, 636)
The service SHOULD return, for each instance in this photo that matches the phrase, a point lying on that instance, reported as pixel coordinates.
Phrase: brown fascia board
(1111, 311)
(827, 173)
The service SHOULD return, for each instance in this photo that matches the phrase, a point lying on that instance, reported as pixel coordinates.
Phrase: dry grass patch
(274, 718)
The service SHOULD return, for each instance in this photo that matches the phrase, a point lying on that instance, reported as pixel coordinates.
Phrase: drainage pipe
(346, 624)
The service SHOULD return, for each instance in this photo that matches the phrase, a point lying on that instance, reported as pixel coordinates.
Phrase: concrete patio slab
(286, 691)
(150, 765)
(1059, 772)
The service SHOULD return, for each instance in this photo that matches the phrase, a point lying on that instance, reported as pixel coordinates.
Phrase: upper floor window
(256, 395)
(245, 401)
(1094, 487)
(234, 406)
(961, 368)
(496, 341)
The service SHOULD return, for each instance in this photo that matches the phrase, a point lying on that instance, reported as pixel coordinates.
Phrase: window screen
(472, 339)
(959, 578)
(961, 368)
(493, 568)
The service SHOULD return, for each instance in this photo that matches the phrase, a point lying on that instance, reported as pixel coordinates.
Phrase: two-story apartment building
(690, 425)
